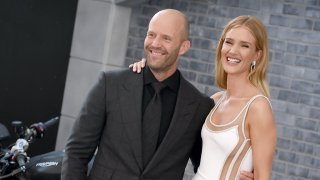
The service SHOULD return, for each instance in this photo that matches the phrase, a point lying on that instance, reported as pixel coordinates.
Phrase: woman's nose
(233, 49)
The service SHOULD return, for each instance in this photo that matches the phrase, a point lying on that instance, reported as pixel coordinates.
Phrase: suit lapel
(183, 114)
(130, 102)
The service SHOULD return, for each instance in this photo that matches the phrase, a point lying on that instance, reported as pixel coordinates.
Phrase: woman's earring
(253, 66)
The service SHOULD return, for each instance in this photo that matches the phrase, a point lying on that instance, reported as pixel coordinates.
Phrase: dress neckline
(237, 116)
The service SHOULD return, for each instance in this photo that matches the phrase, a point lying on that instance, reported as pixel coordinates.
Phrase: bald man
(112, 118)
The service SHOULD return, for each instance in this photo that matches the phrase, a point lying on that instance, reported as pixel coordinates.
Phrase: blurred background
(53, 51)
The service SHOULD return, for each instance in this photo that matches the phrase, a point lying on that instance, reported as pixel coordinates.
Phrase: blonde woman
(240, 133)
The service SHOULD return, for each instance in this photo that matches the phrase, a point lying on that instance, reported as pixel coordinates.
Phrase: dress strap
(247, 108)
(223, 94)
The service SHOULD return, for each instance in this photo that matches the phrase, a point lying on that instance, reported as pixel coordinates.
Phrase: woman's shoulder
(260, 102)
(261, 109)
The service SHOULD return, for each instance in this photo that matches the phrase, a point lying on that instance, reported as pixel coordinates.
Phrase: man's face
(162, 45)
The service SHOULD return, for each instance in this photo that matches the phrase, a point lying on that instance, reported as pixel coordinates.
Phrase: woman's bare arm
(262, 130)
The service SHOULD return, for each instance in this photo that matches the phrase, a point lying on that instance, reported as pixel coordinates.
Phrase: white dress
(226, 150)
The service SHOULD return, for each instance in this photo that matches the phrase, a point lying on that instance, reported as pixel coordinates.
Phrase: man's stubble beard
(163, 65)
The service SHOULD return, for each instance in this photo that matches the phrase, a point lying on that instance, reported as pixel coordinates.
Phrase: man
(114, 115)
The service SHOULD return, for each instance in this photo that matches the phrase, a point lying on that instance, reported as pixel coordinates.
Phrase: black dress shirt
(168, 98)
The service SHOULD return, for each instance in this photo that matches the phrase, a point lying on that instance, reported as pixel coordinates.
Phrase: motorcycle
(15, 164)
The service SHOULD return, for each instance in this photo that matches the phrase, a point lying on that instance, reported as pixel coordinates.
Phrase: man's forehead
(164, 30)
(163, 25)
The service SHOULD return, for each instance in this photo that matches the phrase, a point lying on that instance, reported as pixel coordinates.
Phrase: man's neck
(163, 75)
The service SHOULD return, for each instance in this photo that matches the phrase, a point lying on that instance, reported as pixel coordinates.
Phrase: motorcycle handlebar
(21, 160)
(18, 151)
(51, 122)
(37, 130)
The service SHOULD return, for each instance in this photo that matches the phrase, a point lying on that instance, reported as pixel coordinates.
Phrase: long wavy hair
(258, 76)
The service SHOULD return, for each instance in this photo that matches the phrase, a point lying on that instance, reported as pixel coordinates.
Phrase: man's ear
(185, 46)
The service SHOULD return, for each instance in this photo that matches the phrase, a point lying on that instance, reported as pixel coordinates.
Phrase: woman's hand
(138, 66)
(245, 175)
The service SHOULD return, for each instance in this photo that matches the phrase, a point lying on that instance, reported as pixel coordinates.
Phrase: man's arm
(86, 133)
(195, 156)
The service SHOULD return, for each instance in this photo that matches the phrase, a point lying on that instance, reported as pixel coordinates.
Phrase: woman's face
(238, 51)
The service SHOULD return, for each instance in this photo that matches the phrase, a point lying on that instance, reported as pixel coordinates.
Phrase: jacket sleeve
(86, 133)
(196, 153)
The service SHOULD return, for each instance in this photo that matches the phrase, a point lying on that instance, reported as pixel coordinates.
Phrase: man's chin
(154, 67)
(157, 58)
(155, 62)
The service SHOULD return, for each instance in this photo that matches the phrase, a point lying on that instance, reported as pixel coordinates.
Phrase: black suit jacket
(111, 120)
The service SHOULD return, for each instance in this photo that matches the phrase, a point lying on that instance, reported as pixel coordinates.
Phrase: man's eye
(167, 38)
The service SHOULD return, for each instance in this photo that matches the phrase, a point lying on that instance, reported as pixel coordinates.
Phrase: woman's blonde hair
(258, 76)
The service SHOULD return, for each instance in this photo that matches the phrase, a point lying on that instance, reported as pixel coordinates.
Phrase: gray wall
(294, 36)
(99, 42)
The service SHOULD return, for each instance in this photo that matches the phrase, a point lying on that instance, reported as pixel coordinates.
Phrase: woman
(239, 133)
